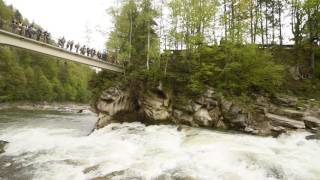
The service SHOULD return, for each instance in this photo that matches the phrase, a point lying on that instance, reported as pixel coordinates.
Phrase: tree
(194, 18)
(134, 36)
(122, 37)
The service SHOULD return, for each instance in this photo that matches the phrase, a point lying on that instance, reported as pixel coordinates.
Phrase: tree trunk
(251, 21)
(225, 20)
(261, 23)
(273, 23)
(232, 21)
(148, 50)
(130, 36)
(280, 22)
(266, 19)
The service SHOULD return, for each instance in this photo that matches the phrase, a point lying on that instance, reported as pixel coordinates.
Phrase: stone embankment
(266, 116)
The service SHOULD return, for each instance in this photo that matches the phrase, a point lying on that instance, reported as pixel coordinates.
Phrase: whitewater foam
(160, 152)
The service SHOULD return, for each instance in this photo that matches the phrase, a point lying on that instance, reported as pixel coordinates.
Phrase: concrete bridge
(10, 39)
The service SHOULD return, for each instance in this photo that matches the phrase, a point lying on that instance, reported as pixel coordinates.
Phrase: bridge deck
(7, 38)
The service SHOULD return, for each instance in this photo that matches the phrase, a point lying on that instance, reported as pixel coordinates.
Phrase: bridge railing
(53, 41)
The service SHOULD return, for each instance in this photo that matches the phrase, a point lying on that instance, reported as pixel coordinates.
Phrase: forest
(27, 76)
(239, 47)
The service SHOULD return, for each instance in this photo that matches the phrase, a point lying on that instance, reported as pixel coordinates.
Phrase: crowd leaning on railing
(30, 31)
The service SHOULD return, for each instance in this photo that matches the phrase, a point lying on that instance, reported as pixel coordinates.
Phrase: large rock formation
(115, 105)
(266, 116)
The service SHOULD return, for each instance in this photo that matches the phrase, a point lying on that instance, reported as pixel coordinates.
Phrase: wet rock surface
(268, 116)
(314, 136)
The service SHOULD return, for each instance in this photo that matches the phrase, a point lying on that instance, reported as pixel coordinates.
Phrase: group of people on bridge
(33, 32)
(84, 50)
(30, 31)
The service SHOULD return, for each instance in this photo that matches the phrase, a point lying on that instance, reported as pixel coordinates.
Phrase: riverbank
(269, 115)
(45, 106)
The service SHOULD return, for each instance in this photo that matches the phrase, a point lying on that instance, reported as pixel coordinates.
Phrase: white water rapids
(56, 147)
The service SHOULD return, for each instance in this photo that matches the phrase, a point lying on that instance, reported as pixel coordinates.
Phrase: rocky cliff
(266, 116)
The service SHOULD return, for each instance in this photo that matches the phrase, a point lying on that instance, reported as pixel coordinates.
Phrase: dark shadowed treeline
(34, 77)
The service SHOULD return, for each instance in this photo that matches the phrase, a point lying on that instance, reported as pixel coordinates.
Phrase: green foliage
(247, 68)
(5, 11)
(34, 77)
(134, 23)
(233, 69)
(190, 20)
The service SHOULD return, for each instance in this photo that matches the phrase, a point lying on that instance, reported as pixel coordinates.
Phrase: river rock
(195, 107)
(183, 118)
(110, 175)
(293, 113)
(111, 94)
(226, 105)
(103, 121)
(313, 137)
(119, 104)
(311, 122)
(174, 177)
(286, 101)
(284, 121)
(267, 116)
(203, 118)
(2, 146)
(215, 114)
(239, 122)
(155, 107)
(277, 131)
(251, 130)
(221, 125)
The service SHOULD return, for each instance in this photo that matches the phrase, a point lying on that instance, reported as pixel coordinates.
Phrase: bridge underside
(10, 39)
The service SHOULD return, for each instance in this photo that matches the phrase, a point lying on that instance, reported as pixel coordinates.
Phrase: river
(56, 146)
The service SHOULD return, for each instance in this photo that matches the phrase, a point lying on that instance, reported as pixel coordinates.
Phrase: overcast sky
(69, 18)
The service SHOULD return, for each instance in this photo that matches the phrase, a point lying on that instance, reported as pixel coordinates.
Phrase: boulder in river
(311, 122)
(2, 146)
(284, 121)
(313, 137)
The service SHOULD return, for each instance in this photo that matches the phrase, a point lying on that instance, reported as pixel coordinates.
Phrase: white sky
(69, 18)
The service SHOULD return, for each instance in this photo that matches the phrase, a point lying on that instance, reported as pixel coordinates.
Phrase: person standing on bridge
(68, 44)
(71, 45)
(23, 29)
(60, 42)
(20, 25)
(63, 42)
(39, 34)
(99, 55)
(77, 46)
(93, 52)
(14, 26)
(30, 30)
(46, 37)
(88, 51)
(83, 50)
